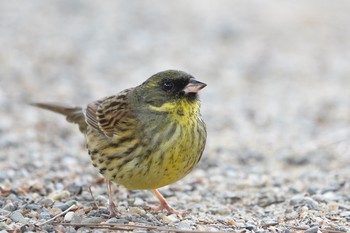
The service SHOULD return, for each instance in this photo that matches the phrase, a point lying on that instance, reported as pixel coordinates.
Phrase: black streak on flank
(103, 121)
(103, 170)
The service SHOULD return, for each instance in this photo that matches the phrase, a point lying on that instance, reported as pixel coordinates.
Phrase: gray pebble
(76, 219)
(65, 206)
(48, 228)
(46, 202)
(210, 229)
(250, 226)
(101, 200)
(33, 206)
(260, 231)
(2, 218)
(71, 230)
(5, 227)
(117, 221)
(75, 189)
(9, 207)
(311, 203)
(332, 196)
(139, 202)
(345, 214)
(4, 212)
(312, 230)
(185, 225)
(45, 214)
(312, 190)
(296, 200)
(299, 200)
(222, 210)
(18, 217)
(92, 220)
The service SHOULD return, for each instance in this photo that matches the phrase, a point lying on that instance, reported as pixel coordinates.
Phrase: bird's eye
(167, 86)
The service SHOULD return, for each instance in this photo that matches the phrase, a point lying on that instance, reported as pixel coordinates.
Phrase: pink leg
(164, 204)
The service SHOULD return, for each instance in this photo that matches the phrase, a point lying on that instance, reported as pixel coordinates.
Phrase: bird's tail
(73, 114)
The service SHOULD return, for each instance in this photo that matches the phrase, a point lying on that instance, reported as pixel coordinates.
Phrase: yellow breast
(157, 155)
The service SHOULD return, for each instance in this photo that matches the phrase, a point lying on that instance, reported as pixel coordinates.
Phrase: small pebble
(222, 210)
(45, 214)
(331, 196)
(185, 225)
(312, 230)
(296, 200)
(122, 209)
(101, 200)
(55, 211)
(312, 190)
(9, 207)
(59, 195)
(32, 214)
(250, 226)
(136, 210)
(4, 212)
(299, 200)
(46, 202)
(260, 231)
(345, 214)
(5, 227)
(139, 202)
(75, 189)
(210, 229)
(48, 228)
(117, 220)
(333, 206)
(231, 222)
(33, 206)
(311, 203)
(64, 206)
(77, 219)
(18, 217)
(68, 217)
(169, 218)
(291, 215)
(92, 220)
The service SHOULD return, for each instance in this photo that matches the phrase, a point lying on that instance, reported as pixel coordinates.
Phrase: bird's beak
(194, 86)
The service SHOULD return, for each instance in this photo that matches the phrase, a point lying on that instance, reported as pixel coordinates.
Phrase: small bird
(145, 137)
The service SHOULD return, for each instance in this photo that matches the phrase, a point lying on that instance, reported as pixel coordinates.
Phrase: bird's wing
(111, 115)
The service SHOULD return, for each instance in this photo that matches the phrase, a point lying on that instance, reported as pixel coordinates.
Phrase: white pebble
(68, 217)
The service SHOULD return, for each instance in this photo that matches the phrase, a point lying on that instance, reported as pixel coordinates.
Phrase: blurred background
(277, 104)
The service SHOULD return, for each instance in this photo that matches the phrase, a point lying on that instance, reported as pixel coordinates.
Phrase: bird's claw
(167, 208)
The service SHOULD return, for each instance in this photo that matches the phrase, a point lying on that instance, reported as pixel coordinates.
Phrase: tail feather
(73, 114)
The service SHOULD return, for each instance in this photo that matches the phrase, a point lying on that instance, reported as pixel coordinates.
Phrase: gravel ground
(277, 108)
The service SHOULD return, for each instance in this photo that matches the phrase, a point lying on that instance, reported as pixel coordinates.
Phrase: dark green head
(169, 86)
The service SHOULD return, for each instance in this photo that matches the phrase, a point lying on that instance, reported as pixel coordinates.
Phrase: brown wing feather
(110, 115)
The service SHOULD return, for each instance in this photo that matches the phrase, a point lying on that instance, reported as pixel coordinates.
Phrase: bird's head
(170, 86)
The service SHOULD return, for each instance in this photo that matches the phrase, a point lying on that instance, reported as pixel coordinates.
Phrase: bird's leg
(163, 204)
(112, 209)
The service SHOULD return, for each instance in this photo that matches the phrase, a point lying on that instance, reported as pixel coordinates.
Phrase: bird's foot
(167, 208)
(164, 204)
(112, 210)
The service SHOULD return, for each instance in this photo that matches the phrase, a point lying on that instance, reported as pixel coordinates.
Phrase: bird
(144, 137)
